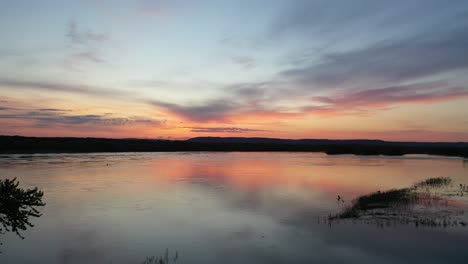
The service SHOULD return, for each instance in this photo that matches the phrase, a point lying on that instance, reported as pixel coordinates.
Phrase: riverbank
(28, 145)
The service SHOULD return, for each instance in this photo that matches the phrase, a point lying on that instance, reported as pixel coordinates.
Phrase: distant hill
(19, 144)
(370, 142)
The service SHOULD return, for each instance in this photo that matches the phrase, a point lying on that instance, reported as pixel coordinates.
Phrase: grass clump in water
(435, 182)
(416, 205)
(166, 259)
(378, 200)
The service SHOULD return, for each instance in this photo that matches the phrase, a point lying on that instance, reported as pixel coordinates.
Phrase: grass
(376, 200)
(395, 198)
(166, 259)
(434, 182)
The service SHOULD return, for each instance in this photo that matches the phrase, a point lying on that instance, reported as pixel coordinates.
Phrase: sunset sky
(392, 70)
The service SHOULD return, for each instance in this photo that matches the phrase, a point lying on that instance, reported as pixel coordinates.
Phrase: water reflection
(223, 208)
(17, 206)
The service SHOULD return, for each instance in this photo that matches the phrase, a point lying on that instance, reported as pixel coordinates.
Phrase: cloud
(403, 62)
(88, 56)
(264, 94)
(2, 108)
(362, 102)
(223, 130)
(60, 87)
(249, 102)
(356, 102)
(364, 44)
(54, 110)
(85, 45)
(47, 117)
(390, 61)
(249, 90)
(215, 110)
(335, 18)
(77, 37)
(244, 61)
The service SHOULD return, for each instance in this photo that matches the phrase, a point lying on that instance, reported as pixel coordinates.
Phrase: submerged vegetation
(416, 204)
(166, 259)
(17, 206)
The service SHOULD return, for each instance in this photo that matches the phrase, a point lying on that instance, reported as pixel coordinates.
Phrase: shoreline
(38, 145)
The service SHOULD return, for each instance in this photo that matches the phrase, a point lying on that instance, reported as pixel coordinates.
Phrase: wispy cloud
(49, 117)
(349, 80)
(54, 110)
(387, 62)
(223, 130)
(331, 19)
(215, 110)
(87, 56)
(78, 37)
(85, 46)
(2, 108)
(244, 61)
(250, 90)
(60, 87)
(249, 102)
(373, 99)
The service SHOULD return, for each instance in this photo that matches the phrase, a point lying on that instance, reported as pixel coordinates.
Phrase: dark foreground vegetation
(18, 206)
(165, 259)
(379, 200)
(17, 144)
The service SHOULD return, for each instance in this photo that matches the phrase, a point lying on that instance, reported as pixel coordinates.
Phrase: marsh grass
(434, 182)
(378, 200)
(397, 206)
(166, 259)
(462, 190)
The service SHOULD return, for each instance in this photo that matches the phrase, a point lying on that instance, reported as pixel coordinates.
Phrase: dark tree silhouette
(17, 206)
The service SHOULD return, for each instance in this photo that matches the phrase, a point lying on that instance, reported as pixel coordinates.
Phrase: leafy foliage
(17, 206)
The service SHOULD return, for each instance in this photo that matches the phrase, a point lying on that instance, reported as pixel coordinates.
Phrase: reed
(165, 259)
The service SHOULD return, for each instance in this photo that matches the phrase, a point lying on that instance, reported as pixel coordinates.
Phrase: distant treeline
(18, 144)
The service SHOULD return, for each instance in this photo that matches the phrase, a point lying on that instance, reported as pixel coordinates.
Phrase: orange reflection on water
(346, 175)
(310, 177)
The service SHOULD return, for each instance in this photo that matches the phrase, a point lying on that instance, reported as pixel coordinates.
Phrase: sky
(391, 70)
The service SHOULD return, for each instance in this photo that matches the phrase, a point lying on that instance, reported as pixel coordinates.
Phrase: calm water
(221, 208)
